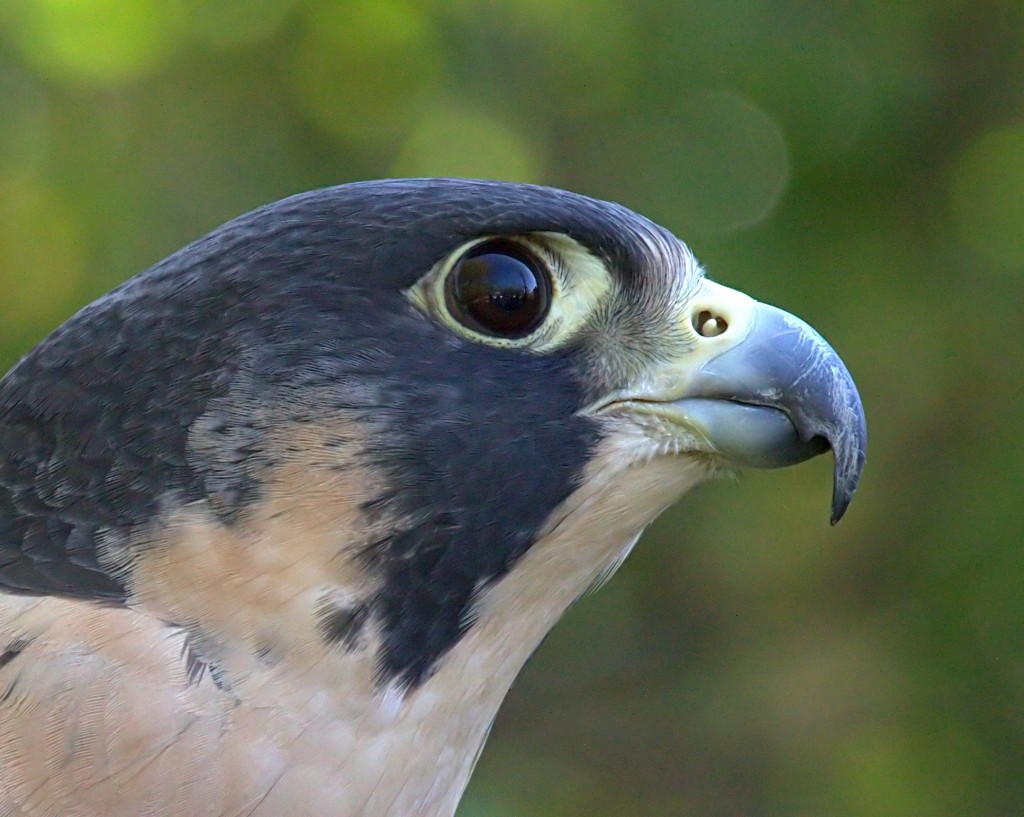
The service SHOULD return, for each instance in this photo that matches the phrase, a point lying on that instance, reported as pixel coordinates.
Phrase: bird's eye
(499, 288)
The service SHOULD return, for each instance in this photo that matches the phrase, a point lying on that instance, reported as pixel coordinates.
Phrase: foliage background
(861, 164)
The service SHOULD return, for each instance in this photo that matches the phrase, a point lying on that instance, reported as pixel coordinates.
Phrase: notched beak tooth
(784, 364)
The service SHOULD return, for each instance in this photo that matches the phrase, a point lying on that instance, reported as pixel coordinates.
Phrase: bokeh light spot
(97, 40)
(987, 195)
(365, 68)
(450, 141)
(718, 164)
(887, 772)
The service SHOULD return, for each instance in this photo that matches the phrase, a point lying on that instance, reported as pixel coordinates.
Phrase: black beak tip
(840, 502)
(848, 467)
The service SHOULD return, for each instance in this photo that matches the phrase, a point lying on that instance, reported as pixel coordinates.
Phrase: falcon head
(374, 440)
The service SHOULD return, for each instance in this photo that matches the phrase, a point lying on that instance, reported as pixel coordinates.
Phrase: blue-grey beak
(779, 396)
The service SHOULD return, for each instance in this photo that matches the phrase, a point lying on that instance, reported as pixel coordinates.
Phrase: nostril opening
(709, 325)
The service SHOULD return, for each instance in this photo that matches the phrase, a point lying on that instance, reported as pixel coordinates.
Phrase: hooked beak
(761, 388)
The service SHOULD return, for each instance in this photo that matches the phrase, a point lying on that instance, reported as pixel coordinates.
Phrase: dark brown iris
(499, 288)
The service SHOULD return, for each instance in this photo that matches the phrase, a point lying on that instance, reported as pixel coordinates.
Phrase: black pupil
(499, 289)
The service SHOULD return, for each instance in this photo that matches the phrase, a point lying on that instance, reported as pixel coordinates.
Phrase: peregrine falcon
(282, 517)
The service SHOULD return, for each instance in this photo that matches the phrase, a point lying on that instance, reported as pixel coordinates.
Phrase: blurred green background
(861, 164)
